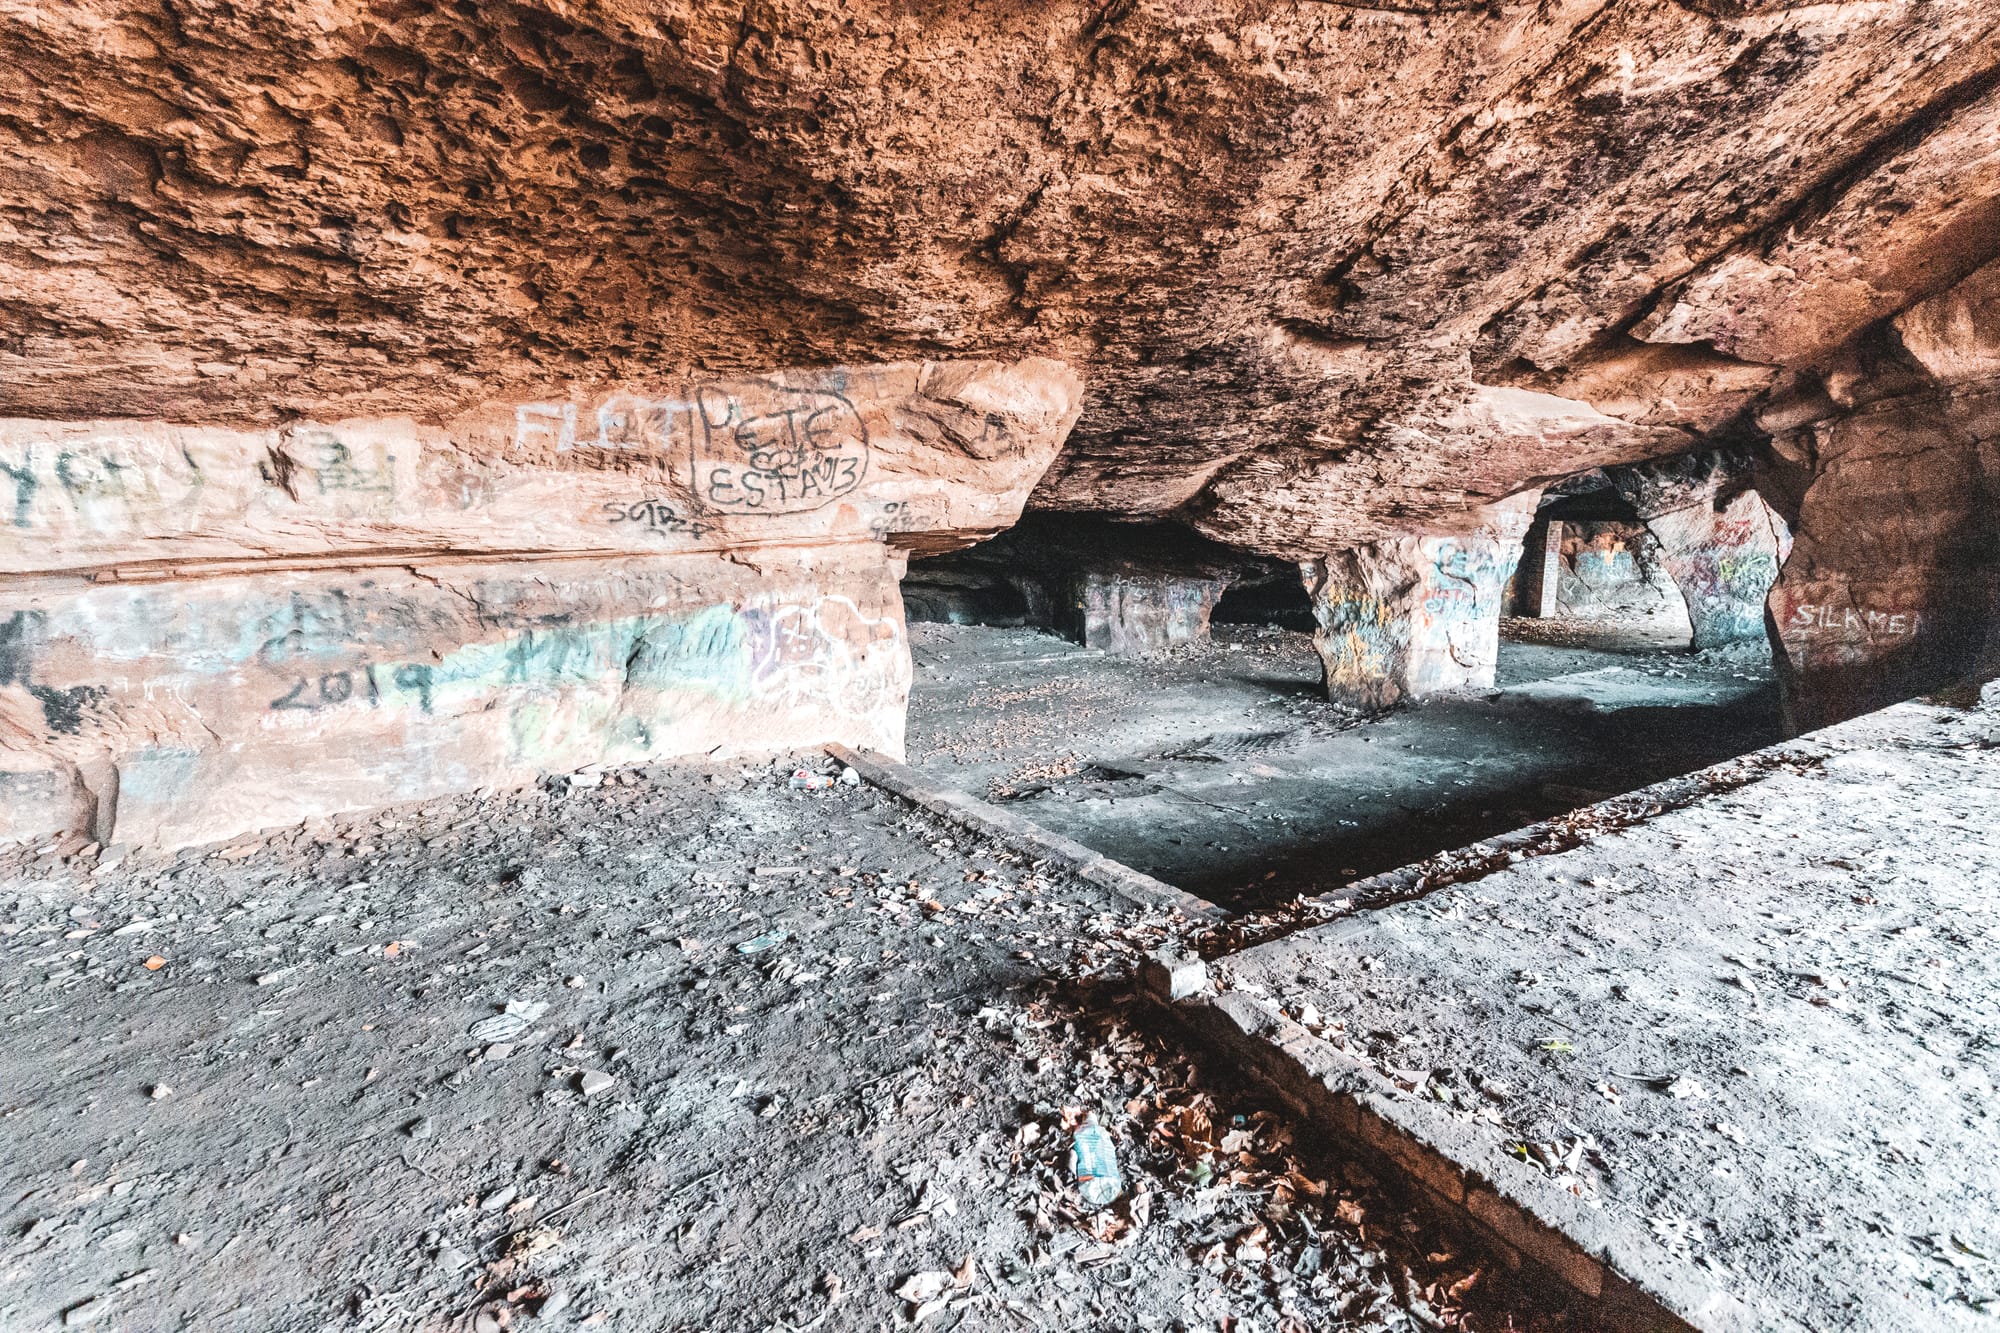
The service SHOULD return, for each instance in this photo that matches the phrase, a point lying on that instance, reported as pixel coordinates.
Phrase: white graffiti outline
(803, 662)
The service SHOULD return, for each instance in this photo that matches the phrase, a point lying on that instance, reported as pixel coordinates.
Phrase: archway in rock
(1277, 598)
(1592, 576)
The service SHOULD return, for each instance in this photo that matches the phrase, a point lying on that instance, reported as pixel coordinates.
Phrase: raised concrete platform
(1731, 1067)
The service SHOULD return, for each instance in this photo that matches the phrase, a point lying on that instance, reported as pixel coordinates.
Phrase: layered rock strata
(1335, 272)
(208, 630)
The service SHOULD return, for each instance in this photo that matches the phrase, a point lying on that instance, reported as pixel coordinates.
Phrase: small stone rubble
(659, 1049)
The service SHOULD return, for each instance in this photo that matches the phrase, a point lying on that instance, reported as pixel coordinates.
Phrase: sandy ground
(688, 1049)
(1222, 768)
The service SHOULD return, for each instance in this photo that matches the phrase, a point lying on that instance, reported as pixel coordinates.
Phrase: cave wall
(1332, 271)
(346, 290)
(1720, 540)
(207, 630)
(1894, 581)
(1613, 569)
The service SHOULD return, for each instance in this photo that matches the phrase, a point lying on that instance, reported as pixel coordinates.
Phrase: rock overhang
(1294, 251)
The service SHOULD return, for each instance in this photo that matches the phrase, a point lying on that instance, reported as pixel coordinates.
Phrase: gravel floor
(686, 1049)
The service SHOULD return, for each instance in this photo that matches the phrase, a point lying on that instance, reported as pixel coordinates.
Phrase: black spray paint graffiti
(20, 638)
(336, 467)
(656, 516)
(86, 477)
(22, 474)
(63, 709)
(771, 450)
(753, 448)
(888, 521)
(333, 688)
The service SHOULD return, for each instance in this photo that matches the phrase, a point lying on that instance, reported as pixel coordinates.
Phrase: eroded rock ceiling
(1325, 269)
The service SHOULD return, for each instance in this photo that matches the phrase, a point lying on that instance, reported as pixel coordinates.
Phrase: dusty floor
(1747, 1045)
(1223, 770)
(349, 1079)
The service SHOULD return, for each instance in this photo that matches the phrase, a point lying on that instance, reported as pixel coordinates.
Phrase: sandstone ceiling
(1324, 268)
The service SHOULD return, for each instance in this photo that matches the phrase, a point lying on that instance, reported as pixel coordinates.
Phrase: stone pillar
(1719, 541)
(1539, 582)
(1410, 617)
(1130, 612)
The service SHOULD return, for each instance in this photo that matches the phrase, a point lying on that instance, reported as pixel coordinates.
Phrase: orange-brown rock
(205, 629)
(698, 306)
(1894, 580)
(1283, 243)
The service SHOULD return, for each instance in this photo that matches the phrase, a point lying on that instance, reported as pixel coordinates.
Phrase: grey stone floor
(1223, 770)
(1743, 1050)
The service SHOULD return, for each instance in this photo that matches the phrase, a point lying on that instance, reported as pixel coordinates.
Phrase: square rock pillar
(1409, 617)
(1539, 587)
(1129, 613)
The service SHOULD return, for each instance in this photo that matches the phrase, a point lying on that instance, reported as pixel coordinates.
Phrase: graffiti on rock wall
(622, 422)
(1725, 590)
(751, 447)
(329, 689)
(825, 655)
(106, 483)
(1360, 641)
(654, 516)
(20, 640)
(889, 520)
(1853, 622)
(1460, 616)
(1465, 579)
(339, 466)
(98, 482)
(766, 449)
(1410, 617)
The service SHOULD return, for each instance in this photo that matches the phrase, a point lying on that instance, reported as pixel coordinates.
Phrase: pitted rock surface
(1329, 270)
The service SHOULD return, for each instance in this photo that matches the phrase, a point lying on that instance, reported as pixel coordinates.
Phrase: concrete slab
(1733, 1065)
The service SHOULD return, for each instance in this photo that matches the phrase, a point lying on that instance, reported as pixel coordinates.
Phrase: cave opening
(1273, 598)
(1592, 575)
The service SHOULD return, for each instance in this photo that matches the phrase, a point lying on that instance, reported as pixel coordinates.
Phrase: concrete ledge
(1584, 984)
(1415, 1150)
(975, 814)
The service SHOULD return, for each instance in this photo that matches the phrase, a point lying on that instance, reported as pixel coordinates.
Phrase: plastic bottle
(1093, 1160)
